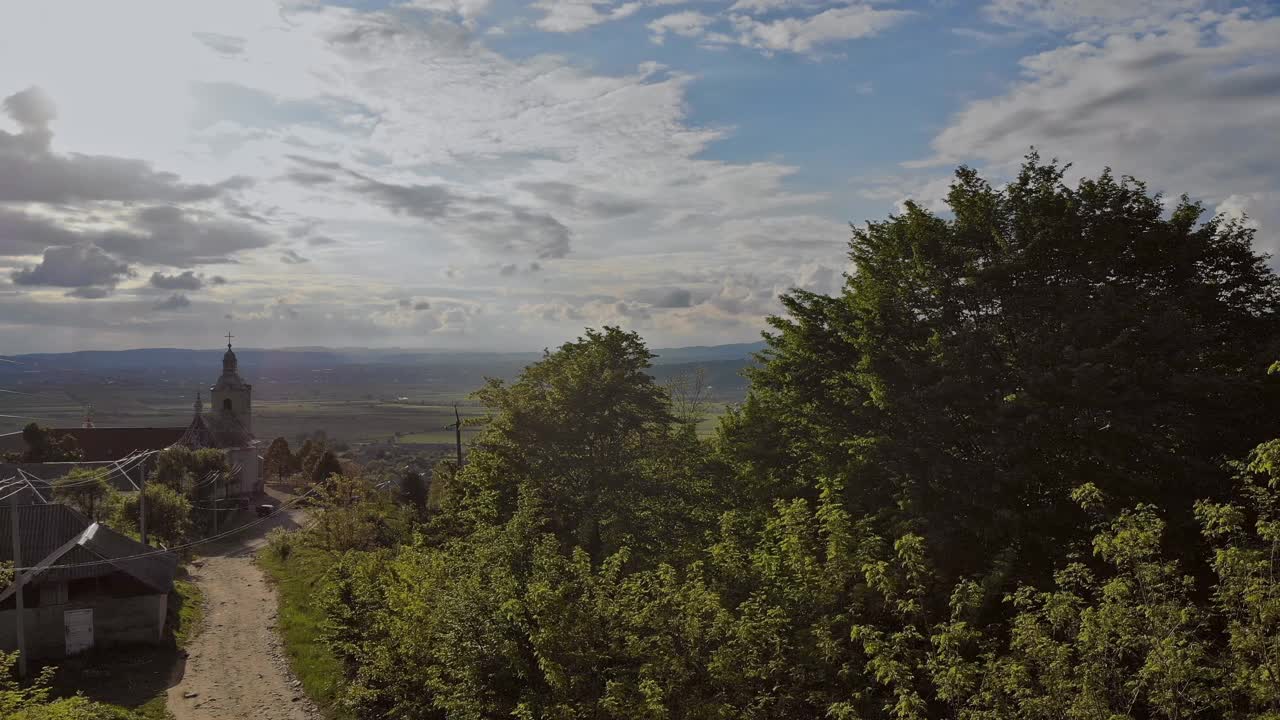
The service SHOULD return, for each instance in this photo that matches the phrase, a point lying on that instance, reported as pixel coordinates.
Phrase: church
(226, 425)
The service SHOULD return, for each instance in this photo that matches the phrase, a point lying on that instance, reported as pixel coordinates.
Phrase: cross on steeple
(229, 336)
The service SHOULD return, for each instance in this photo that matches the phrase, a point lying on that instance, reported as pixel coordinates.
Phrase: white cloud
(568, 16)
(755, 7)
(688, 23)
(468, 10)
(438, 162)
(929, 192)
(1089, 17)
(1260, 211)
(754, 24)
(803, 35)
(1194, 108)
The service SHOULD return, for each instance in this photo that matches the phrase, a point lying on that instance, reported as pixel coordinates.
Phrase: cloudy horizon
(479, 174)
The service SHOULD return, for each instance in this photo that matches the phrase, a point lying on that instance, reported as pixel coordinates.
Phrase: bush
(85, 490)
(280, 544)
(34, 702)
(168, 514)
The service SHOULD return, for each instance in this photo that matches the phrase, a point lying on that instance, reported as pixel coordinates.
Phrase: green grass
(190, 614)
(438, 437)
(708, 424)
(299, 621)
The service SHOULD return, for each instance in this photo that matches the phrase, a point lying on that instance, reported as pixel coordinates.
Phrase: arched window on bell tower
(231, 394)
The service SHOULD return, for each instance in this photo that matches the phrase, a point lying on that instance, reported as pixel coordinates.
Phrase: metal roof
(44, 529)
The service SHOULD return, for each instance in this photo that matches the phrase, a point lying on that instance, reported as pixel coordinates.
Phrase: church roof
(216, 430)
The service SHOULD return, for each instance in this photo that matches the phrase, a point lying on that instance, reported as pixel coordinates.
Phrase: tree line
(182, 491)
(1024, 465)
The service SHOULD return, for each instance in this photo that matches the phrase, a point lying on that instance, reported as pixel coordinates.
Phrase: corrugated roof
(44, 529)
(155, 571)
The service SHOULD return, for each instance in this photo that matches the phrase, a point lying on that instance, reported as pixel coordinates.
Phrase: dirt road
(236, 666)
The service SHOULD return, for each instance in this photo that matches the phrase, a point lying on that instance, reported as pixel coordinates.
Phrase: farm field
(293, 393)
(354, 420)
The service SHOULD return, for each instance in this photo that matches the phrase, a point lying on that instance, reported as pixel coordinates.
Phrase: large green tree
(279, 460)
(978, 367)
(988, 480)
(44, 445)
(169, 514)
(85, 490)
(326, 465)
(586, 440)
(198, 473)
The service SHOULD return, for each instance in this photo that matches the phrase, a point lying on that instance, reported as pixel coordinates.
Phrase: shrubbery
(991, 479)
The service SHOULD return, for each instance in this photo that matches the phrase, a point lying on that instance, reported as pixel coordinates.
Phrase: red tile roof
(113, 443)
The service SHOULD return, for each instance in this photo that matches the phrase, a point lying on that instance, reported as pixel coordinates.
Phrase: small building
(88, 586)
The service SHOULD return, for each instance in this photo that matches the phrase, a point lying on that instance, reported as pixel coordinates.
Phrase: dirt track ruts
(236, 667)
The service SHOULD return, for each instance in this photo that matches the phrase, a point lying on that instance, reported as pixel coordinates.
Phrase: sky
(485, 174)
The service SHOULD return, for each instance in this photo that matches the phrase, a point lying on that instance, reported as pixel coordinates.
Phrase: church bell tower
(231, 394)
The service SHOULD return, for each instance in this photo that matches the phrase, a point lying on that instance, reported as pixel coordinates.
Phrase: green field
(350, 420)
(352, 404)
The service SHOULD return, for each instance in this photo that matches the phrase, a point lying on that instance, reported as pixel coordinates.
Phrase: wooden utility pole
(142, 501)
(17, 583)
(457, 433)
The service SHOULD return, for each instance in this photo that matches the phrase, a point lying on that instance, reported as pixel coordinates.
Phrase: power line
(194, 543)
(117, 467)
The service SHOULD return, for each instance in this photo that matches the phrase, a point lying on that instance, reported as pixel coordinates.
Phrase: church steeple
(231, 395)
(229, 361)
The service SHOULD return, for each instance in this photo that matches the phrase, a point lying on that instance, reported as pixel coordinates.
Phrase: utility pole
(17, 582)
(142, 501)
(457, 433)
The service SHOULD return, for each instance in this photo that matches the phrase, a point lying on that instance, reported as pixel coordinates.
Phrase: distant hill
(320, 358)
(353, 393)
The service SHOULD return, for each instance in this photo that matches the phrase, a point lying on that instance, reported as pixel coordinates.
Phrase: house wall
(250, 478)
(116, 621)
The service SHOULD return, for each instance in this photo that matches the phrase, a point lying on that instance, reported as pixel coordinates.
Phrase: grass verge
(190, 612)
(299, 621)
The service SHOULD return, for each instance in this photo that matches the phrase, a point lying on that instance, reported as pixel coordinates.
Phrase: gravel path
(236, 667)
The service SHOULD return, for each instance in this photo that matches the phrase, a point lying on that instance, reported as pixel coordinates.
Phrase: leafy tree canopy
(977, 368)
(1023, 466)
(85, 490)
(43, 445)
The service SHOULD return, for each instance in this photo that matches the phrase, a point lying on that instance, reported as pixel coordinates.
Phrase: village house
(88, 586)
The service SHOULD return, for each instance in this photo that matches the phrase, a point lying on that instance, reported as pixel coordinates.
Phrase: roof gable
(55, 534)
